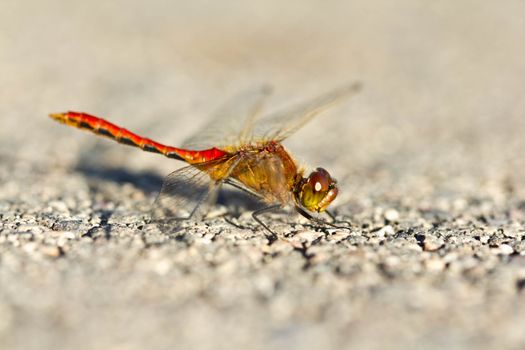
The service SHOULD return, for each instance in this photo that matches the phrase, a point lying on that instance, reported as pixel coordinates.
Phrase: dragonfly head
(316, 191)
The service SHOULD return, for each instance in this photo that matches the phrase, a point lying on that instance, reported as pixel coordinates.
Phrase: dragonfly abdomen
(103, 127)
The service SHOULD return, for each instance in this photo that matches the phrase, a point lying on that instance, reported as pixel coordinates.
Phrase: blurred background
(451, 71)
(440, 119)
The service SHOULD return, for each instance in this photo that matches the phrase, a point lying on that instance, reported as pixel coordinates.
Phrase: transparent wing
(185, 190)
(182, 193)
(280, 125)
(229, 124)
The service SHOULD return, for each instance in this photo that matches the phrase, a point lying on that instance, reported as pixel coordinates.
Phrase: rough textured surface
(429, 158)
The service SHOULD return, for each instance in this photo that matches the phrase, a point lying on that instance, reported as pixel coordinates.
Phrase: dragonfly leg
(334, 220)
(331, 216)
(272, 236)
(317, 220)
(244, 189)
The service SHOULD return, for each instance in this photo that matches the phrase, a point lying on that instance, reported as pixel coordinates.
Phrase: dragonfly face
(316, 191)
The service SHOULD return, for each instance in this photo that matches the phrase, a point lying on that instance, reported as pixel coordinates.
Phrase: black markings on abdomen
(85, 125)
(105, 132)
(126, 141)
(150, 148)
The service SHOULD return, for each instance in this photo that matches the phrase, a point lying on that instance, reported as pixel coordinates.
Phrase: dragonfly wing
(231, 122)
(182, 194)
(280, 125)
(185, 190)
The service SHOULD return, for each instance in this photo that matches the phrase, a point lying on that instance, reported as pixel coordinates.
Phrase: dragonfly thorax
(316, 191)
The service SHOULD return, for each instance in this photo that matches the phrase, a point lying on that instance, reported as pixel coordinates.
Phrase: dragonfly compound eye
(318, 191)
(320, 180)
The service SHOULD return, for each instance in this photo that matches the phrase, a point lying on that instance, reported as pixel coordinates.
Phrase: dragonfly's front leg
(334, 220)
(272, 237)
(319, 221)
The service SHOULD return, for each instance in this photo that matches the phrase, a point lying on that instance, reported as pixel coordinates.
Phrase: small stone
(484, 239)
(386, 231)
(513, 232)
(52, 251)
(506, 249)
(216, 212)
(391, 215)
(392, 261)
(432, 244)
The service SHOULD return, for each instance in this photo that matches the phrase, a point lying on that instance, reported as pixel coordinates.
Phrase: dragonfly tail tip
(58, 116)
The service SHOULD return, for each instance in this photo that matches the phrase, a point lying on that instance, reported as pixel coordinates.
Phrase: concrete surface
(429, 158)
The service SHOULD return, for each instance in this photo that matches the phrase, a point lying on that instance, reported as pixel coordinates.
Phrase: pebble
(386, 231)
(392, 261)
(391, 215)
(431, 244)
(51, 251)
(216, 212)
(484, 239)
(506, 249)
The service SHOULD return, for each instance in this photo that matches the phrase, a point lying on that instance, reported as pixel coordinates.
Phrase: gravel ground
(429, 158)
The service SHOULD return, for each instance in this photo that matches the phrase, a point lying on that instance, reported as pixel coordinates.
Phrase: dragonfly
(241, 148)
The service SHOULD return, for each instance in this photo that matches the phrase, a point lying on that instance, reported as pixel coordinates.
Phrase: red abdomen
(102, 127)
